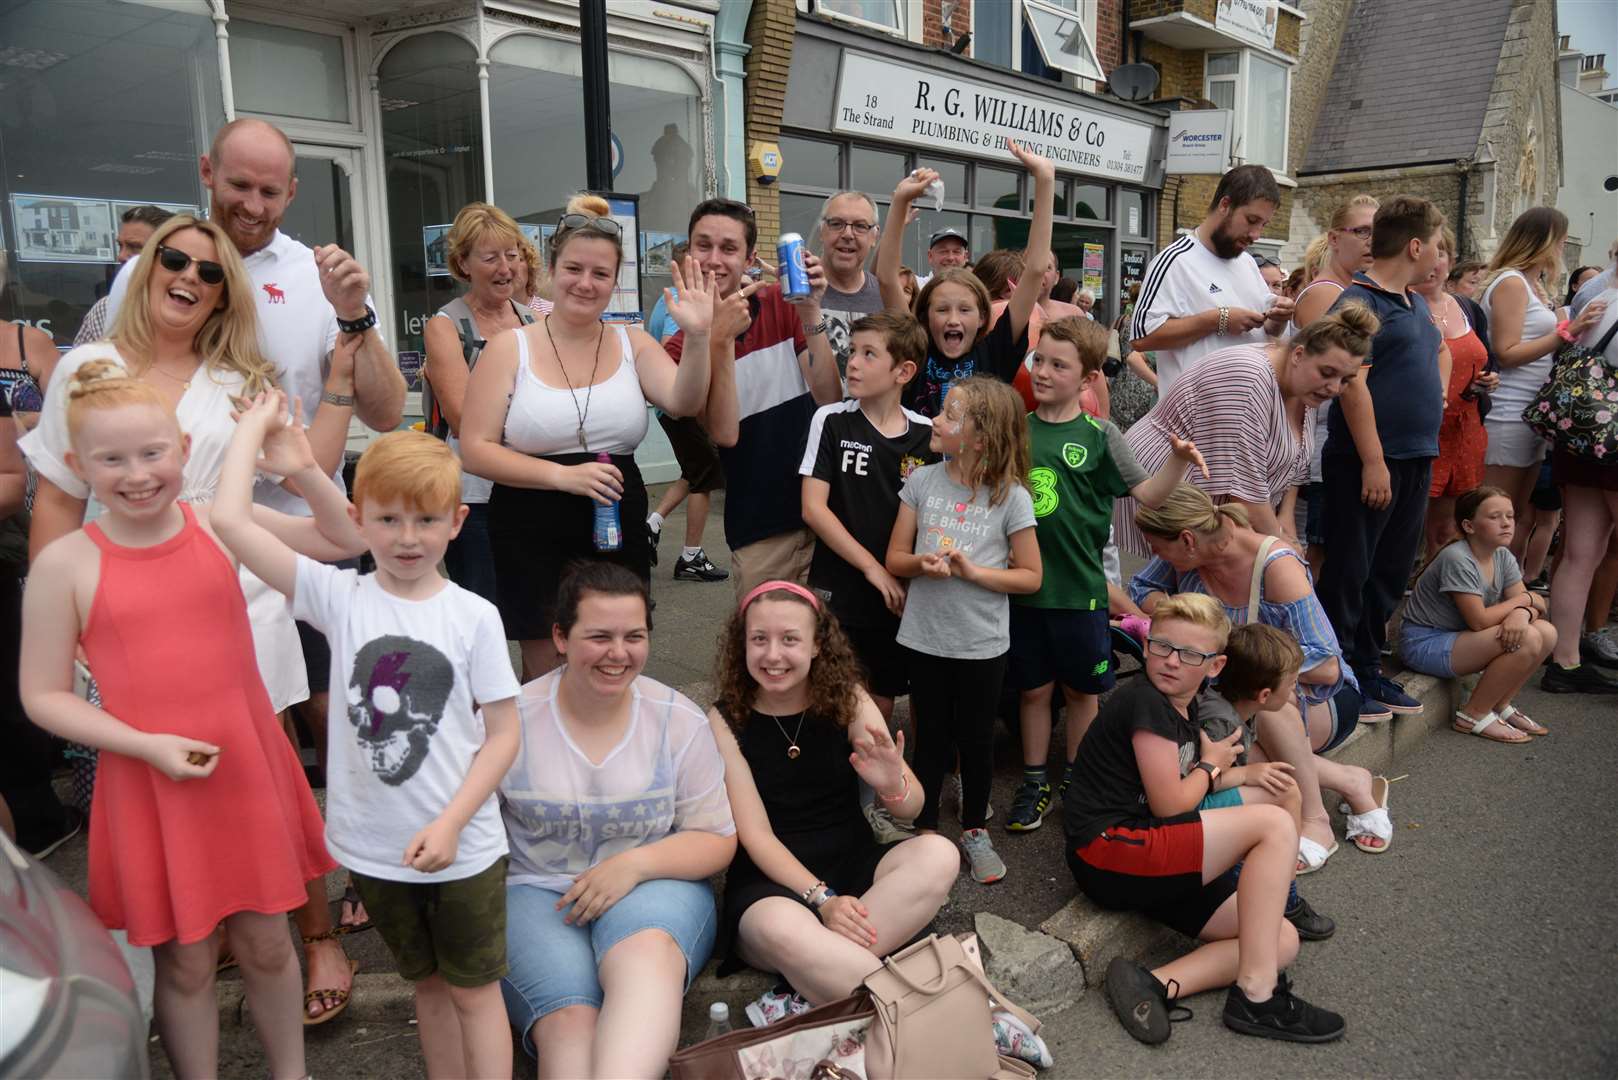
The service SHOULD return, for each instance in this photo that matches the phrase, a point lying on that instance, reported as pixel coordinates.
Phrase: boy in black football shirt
(858, 455)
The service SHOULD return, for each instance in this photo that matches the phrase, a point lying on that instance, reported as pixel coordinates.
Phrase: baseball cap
(948, 234)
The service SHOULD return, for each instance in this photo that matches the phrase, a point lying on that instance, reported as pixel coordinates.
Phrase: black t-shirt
(865, 470)
(998, 354)
(1106, 788)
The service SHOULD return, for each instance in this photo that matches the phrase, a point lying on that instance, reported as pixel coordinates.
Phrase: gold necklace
(185, 384)
(793, 749)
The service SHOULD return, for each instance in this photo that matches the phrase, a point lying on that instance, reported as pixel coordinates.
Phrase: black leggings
(954, 704)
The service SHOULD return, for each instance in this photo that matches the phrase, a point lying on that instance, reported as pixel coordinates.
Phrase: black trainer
(698, 568)
(1141, 1002)
(1285, 1016)
(1311, 924)
(1584, 679)
(652, 537)
(1028, 806)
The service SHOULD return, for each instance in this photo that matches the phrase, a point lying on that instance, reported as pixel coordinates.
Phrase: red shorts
(1153, 866)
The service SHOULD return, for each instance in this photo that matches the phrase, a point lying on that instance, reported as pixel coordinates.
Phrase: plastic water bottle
(718, 1020)
(609, 529)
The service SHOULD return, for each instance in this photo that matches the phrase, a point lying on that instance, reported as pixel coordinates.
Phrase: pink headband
(789, 586)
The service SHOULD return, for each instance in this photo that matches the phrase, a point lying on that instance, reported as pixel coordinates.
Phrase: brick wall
(1520, 126)
(1151, 9)
(932, 25)
(769, 33)
(1110, 33)
(1195, 193)
(1180, 70)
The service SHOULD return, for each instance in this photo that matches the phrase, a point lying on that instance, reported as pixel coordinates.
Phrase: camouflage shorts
(454, 928)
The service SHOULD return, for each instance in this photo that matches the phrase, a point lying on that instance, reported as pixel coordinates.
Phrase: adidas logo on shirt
(1214, 288)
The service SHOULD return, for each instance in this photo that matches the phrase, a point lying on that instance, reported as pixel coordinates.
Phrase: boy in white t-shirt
(1204, 292)
(430, 712)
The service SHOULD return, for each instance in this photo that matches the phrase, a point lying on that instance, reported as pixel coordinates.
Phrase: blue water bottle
(609, 530)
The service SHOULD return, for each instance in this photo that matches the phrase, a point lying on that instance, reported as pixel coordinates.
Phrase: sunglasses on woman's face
(175, 261)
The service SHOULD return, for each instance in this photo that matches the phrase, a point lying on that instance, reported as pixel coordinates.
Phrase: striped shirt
(1187, 279)
(1229, 405)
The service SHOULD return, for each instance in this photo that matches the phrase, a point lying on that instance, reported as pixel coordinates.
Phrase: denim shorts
(1427, 649)
(553, 965)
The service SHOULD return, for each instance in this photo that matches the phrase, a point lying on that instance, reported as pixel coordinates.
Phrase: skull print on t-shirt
(396, 698)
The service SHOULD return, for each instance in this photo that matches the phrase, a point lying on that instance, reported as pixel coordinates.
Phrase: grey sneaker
(987, 866)
(1599, 649)
(885, 827)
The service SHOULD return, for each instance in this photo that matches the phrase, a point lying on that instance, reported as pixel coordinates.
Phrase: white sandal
(1466, 725)
(1537, 729)
(1374, 822)
(1313, 854)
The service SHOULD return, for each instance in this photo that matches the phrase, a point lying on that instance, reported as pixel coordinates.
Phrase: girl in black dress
(811, 894)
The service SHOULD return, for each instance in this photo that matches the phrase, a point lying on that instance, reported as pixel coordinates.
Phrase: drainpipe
(483, 108)
(223, 38)
(1464, 167)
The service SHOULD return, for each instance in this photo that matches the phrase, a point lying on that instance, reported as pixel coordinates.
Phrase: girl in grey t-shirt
(1470, 612)
(965, 539)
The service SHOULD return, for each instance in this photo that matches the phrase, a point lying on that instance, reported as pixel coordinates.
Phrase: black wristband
(357, 326)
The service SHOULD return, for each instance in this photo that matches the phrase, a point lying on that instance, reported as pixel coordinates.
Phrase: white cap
(719, 1011)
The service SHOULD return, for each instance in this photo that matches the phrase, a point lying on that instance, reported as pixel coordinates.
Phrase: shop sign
(1253, 21)
(1198, 140)
(941, 112)
(1131, 267)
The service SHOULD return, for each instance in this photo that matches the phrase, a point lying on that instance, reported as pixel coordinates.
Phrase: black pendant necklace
(793, 749)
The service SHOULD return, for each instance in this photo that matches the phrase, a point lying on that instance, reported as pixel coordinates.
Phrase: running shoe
(698, 567)
(1311, 924)
(1013, 1038)
(885, 827)
(952, 790)
(1599, 649)
(1141, 1003)
(1391, 696)
(987, 865)
(1029, 806)
(1374, 712)
(1284, 1016)
(1584, 679)
(653, 535)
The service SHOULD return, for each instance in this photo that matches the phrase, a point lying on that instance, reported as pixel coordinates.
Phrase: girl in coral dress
(201, 813)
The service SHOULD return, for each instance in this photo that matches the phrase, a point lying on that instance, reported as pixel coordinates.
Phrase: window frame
(898, 29)
(1242, 81)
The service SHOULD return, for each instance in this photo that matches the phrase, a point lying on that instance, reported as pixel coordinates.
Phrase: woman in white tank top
(545, 400)
(1523, 331)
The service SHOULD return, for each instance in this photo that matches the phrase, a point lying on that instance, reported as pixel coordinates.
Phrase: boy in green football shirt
(1060, 633)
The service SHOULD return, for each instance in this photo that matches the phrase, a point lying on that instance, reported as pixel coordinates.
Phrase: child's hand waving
(1187, 451)
(1037, 165)
(880, 761)
(286, 450)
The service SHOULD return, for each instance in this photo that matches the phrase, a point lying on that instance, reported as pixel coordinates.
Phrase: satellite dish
(1133, 82)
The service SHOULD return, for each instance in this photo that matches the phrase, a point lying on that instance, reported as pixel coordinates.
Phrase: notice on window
(1095, 267)
(928, 108)
(1251, 20)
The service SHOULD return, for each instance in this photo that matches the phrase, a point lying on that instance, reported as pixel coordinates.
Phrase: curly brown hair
(834, 677)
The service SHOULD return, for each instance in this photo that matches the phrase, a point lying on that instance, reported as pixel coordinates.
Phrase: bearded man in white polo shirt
(1204, 292)
(305, 298)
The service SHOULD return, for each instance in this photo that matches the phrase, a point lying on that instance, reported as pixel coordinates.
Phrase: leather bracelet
(359, 325)
(1224, 319)
(899, 797)
(342, 401)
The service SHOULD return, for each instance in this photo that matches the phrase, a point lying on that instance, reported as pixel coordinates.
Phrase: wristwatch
(360, 325)
(1213, 772)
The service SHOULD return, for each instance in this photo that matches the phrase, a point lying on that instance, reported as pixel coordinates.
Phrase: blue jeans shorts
(1427, 649)
(553, 965)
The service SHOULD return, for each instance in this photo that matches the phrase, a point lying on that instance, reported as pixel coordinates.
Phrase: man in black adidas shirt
(857, 457)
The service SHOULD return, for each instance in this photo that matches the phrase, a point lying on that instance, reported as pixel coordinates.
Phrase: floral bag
(1577, 408)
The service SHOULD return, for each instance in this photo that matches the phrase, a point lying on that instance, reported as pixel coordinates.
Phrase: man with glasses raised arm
(772, 367)
(848, 231)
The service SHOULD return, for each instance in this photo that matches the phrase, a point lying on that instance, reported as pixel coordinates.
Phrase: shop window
(996, 189)
(432, 141)
(1090, 201)
(281, 71)
(811, 163)
(1062, 38)
(953, 173)
(535, 93)
(799, 214)
(875, 172)
(1255, 89)
(992, 28)
(104, 105)
(883, 13)
(1084, 255)
(1132, 213)
(919, 233)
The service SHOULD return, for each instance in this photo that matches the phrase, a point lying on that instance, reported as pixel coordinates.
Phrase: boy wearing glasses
(1136, 841)
(848, 231)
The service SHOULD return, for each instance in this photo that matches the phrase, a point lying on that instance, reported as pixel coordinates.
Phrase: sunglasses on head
(604, 225)
(175, 261)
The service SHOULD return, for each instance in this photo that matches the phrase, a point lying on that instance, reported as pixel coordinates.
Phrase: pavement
(1476, 946)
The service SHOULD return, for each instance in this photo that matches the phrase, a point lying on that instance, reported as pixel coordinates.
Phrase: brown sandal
(342, 996)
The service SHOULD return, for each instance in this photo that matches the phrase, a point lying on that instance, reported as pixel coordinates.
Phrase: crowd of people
(927, 483)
